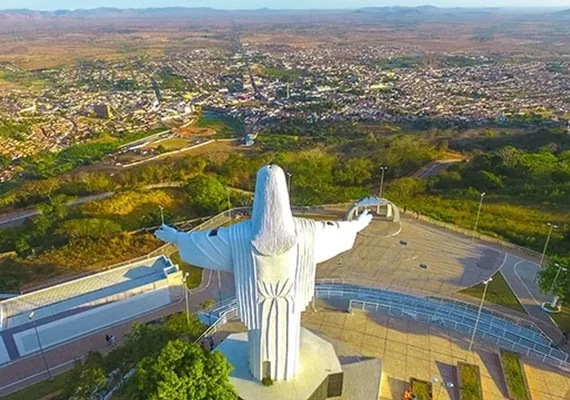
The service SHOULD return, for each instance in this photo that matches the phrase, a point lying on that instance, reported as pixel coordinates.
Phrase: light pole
(185, 279)
(289, 175)
(552, 227)
(229, 206)
(448, 385)
(31, 317)
(486, 283)
(555, 298)
(478, 214)
(403, 245)
(382, 169)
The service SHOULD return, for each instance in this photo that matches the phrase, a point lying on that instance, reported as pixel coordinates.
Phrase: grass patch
(41, 389)
(225, 126)
(173, 144)
(140, 208)
(498, 293)
(194, 273)
(470, 379)
(562, 319)
(421, 389)
(514, 376)
(287, 75)
(519, 221)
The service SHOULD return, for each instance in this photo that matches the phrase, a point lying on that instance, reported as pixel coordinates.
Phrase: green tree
(353, 172)
(146, 340)
(548, 273)
(400, 189)
(5, 161)
(208, 194)
(87, 379)
(93, 228)
(22, 246)
(184, 371)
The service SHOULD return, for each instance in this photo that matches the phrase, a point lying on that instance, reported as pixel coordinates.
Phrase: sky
(274, 4)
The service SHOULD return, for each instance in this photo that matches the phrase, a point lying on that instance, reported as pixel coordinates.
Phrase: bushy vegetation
(183, 370)
(421, 389)
(13, 130)
(470, 382)
(557, 267)
(153, 349)
(285, 75)
(524, 191)
(225, 125)
(169, 80)
(514, 376)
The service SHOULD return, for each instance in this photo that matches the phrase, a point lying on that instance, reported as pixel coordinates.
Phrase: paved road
(19, 217)
(29, 370)
(520, 275)
(434, 167)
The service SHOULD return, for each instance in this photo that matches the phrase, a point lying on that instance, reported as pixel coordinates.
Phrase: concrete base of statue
(320, 374)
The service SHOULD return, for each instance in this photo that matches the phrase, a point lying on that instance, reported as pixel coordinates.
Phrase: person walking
(108, 339)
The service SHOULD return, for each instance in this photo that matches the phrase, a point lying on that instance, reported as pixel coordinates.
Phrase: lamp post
(448, 385)
(229, 206)
(185, 279)
(555, 298)
(486, 283)
(289, 175)
(403, 245)
(478, 214)
(31, 317)
(552, 227)
(383, 169)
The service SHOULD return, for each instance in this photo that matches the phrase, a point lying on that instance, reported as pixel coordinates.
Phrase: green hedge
(470, 382)
(514, 376)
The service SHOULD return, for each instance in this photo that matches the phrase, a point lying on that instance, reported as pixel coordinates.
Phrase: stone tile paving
(454, 262)
(409, 349)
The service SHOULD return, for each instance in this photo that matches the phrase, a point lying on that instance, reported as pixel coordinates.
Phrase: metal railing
(514, 334)
(537, 351)
(349, 283)
(226, 316)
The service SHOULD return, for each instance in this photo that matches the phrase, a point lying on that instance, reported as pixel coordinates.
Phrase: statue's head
(272, 221)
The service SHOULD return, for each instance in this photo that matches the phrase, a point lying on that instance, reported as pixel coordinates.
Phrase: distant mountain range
(395, 11)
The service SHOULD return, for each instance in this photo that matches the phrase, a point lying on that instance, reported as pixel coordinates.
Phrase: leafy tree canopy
(208, 194)
(184, 371)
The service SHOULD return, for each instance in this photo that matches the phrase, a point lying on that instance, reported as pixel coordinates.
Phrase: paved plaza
(379, 259)
(410, 349)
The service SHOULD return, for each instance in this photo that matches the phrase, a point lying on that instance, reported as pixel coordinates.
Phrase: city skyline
(273, 4)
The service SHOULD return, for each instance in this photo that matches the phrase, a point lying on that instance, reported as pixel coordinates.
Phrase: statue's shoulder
(302, 222)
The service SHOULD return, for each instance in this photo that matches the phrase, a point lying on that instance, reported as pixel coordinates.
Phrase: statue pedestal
(320, 375)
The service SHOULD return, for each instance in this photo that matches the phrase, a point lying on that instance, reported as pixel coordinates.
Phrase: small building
(102, 111)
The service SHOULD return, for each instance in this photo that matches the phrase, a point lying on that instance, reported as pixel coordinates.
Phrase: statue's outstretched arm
(206, 249)
(333, 238)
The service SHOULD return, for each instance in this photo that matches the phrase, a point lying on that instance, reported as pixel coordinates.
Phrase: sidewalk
(520, 275)
(29, 370)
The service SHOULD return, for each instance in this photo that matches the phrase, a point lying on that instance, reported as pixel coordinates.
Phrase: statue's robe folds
(271, 291)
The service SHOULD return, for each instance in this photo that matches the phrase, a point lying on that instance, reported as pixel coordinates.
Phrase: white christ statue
(273, 258)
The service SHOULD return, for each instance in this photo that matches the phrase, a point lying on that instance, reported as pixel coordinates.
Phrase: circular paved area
(378, 259)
